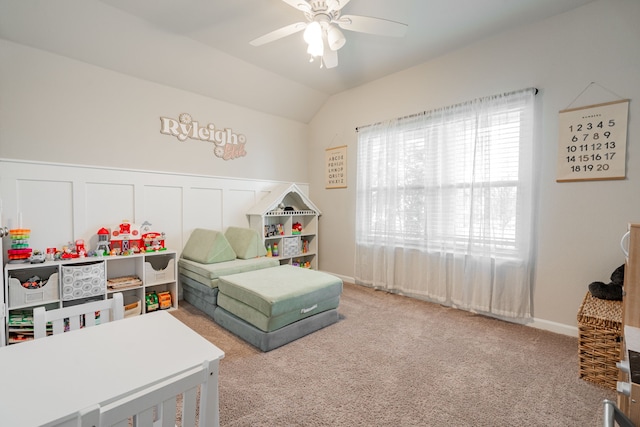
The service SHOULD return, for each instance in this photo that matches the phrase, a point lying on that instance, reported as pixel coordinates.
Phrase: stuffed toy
(610, 291)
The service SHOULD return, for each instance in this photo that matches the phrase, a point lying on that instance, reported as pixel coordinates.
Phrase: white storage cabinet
(81, 280)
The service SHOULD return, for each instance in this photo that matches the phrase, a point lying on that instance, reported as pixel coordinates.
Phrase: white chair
(110, 309)
(153, 406)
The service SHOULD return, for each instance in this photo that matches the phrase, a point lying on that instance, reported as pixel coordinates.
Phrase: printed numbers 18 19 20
(590, 168)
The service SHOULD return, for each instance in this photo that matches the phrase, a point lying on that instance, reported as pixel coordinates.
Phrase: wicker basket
(599, 336)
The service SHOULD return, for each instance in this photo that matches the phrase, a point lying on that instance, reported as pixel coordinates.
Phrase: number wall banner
(593, 142)
(336, 167)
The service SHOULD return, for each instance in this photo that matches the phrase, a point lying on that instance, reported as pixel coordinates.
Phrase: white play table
(50, 378)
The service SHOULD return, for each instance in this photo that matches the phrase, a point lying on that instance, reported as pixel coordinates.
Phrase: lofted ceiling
(203, 46)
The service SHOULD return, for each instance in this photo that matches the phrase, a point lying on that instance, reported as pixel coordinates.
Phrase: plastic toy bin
(159, 269)
(20, 296)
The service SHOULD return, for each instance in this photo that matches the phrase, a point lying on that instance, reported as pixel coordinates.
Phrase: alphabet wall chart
(336, 167)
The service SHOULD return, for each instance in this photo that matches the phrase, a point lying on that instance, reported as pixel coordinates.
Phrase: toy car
(164, 299)
(151, 300)
(36, 257)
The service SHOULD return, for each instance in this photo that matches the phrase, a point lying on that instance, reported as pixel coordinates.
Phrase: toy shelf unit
(55, 284)
(139, 276)
(52, 284)
(288, 223)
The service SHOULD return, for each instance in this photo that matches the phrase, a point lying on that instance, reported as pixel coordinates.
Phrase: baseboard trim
(547, 325)
(558, 328)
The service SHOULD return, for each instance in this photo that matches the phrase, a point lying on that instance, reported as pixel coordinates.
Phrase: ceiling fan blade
(330, 58)
(379, 26)
(336, 4)
(299, 4)
(279, 33)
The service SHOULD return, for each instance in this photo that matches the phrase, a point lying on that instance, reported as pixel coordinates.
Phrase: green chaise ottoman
(274, 306)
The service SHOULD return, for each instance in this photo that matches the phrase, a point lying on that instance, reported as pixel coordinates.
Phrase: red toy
(103, 242)
(297, 228)
(126, 238)
(153, 242)
(80, 249)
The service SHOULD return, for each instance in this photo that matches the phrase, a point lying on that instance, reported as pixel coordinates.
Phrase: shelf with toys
(144, 275)
(141, 268)
(288, 222)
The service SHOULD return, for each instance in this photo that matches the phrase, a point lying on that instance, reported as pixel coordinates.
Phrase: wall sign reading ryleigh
(227, 145)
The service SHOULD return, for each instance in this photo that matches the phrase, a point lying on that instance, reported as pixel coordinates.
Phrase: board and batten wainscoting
(60, 203)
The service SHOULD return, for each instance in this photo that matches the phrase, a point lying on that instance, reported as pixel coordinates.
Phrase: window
(456, 181)
(451, 175)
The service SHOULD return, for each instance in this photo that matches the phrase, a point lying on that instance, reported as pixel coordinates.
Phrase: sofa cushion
(246, 243)
(208, 274)
(207, 247)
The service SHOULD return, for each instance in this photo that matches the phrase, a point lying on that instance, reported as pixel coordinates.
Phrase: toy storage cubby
(46, 292)
(138, 275)
(124, 274)
(160, 275)
(43, 285)
(287, 218)
(80, 280)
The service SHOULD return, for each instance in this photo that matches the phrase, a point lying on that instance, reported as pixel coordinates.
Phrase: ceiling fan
(321, 32)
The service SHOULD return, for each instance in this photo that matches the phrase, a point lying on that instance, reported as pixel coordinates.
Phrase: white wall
(55, 109)
(580, 224)
(81, 149)
(61, 203)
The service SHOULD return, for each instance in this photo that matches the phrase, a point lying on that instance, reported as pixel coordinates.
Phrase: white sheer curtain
(445, 204)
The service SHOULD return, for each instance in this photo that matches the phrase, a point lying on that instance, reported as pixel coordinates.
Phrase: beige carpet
(396, 361)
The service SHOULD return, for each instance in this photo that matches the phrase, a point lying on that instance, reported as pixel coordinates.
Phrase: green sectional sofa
(210, 254)
(228, 277)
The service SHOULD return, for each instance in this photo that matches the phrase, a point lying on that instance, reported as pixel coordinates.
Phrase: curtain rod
(425, 112)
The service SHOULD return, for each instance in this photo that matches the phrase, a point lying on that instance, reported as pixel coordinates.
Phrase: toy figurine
(80, 249)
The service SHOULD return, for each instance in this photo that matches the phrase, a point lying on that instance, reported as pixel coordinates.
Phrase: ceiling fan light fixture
(315, 49)
(322, 29)
(335, 38)
(313, 33)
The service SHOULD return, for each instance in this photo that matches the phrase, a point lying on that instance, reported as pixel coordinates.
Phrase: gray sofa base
(202, 297)
(267, 341)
